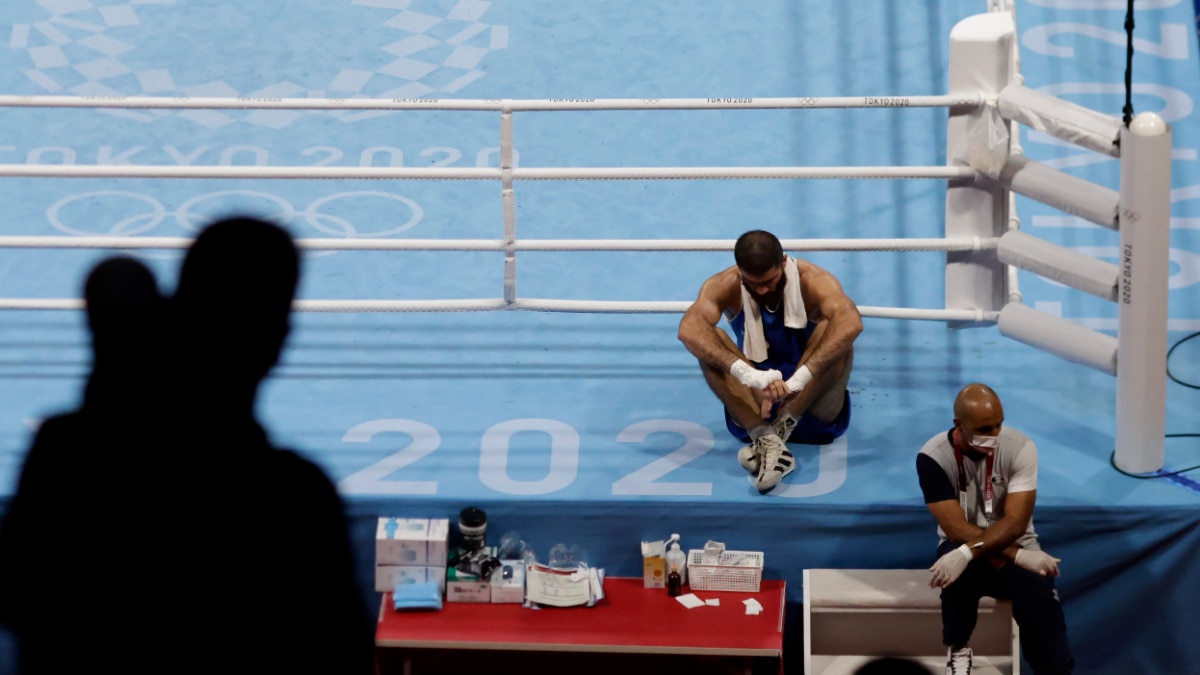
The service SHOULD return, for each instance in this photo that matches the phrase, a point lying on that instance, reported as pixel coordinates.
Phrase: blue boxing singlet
(785, 347)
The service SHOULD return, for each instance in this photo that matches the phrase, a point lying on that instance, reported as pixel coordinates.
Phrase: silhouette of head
(124, 312)
(232, 305)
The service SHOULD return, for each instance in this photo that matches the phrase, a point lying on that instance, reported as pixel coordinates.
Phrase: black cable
(1112, 459)
(1128, 107)
(1174, 379)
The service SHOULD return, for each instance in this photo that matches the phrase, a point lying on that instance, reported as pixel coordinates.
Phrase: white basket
(736, 571)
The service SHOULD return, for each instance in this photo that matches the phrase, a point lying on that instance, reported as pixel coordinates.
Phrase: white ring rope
(499, 105)
(529, 304)
(441, 173)
(506, 173)
(647, 245)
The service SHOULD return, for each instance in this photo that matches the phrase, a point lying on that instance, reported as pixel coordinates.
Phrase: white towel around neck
(754, 343)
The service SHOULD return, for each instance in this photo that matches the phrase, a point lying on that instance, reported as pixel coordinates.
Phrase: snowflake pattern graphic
(426, 48)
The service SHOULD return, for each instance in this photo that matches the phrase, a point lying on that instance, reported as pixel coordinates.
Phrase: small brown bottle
(674, 584)
(675, 562)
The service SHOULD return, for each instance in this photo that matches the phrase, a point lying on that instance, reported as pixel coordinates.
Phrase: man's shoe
(750, 456)
(774, 463)
(958, 662)
(783, 426)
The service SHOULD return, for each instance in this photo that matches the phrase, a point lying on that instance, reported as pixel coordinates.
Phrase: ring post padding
(1058, 263)
(1142, 321)
(1062, 119)
(980, 62)
(1059, 337)
(1061, 190)
(508, 202)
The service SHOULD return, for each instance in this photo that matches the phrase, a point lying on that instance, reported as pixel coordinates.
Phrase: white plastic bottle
(676, 569)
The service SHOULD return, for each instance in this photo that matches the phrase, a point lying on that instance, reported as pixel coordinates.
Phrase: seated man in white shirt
(980, 483)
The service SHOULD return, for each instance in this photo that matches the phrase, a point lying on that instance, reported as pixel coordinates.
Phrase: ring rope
(441, 173)
(649, 245)
(530, 304)
(497, 105)
(506, 173)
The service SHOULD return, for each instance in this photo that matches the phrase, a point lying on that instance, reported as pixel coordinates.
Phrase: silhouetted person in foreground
(64, 548)
(173, 536)
(275, 573)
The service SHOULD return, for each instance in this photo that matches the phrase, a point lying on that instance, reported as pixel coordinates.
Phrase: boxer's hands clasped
(754, 378)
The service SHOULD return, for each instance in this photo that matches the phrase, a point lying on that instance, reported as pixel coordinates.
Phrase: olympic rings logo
(134, 213)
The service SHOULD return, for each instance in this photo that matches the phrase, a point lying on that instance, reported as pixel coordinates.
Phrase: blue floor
(606, 415)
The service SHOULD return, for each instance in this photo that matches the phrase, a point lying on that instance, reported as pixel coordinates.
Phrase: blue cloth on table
(423, 595)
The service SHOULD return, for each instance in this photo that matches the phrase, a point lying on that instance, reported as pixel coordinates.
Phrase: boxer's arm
(698, 329)
(828, 302)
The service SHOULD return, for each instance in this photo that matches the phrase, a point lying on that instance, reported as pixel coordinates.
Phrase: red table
(630, 620)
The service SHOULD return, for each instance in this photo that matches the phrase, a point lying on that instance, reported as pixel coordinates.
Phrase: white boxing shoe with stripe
(751, 455)
(774, 462)
(783, 426)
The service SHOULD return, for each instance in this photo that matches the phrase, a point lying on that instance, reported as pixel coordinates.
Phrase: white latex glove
(949, 567)
(799, 379)
(753, 377)
(1038, 561)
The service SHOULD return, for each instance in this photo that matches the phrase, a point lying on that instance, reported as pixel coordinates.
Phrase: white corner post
(981, 48)
(1145, 222)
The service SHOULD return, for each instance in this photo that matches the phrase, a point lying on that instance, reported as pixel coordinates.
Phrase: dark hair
(757, 252)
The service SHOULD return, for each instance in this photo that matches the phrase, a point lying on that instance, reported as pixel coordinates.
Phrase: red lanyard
(987, 484)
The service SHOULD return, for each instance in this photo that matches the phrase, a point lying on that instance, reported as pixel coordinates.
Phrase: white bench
(854, 616)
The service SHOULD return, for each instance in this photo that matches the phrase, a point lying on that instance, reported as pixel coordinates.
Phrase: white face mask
(988, 442)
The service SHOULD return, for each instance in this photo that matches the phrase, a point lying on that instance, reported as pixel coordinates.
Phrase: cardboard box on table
(410, 550)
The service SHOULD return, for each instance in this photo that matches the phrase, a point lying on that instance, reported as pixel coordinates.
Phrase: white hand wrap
(800, 379)
(751, 376)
